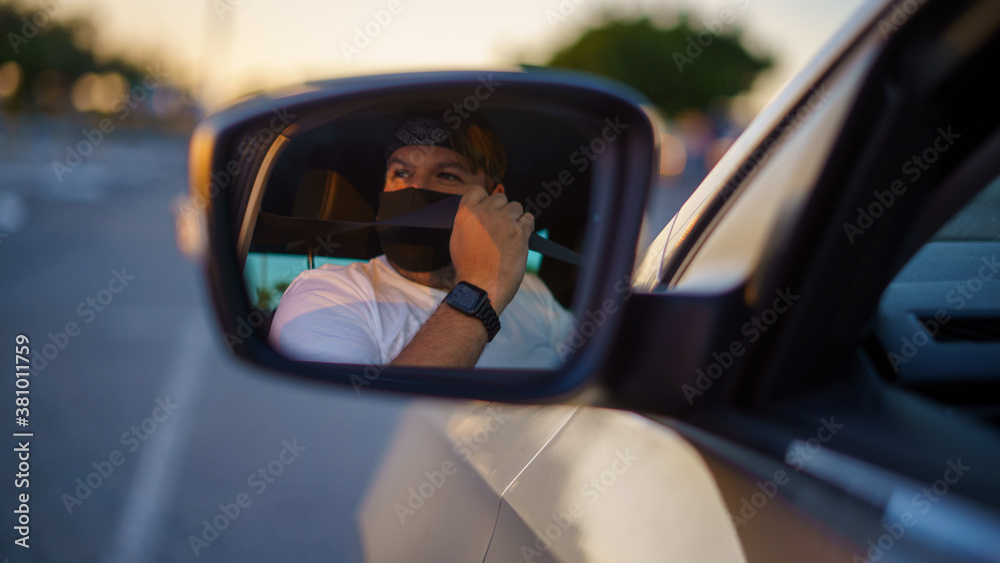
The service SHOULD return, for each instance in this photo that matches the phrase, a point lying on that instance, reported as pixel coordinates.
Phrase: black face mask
(417, 249)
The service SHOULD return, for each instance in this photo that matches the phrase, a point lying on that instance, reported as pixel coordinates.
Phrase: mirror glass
(349, 219)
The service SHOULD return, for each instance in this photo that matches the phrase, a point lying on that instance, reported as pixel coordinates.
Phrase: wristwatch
(474, 301)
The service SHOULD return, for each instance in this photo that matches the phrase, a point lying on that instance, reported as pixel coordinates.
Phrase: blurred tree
(676, 68)
(38, 43)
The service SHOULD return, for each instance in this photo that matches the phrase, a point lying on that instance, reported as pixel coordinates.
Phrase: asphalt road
(107, 224)
(142, 424)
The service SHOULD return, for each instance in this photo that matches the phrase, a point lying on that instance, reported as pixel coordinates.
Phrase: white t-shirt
(366, 313)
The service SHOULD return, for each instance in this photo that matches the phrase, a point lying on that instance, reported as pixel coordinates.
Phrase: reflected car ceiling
(539, 147)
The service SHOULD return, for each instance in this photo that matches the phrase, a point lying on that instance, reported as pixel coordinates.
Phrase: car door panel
(614, 486)
(438, 489)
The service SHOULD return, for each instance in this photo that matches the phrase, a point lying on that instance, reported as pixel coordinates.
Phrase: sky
(226, 48)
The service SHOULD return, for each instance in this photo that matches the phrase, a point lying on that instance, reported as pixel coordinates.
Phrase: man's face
(431, 167)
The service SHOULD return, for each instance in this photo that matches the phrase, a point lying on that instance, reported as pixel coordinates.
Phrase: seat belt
(277, 229)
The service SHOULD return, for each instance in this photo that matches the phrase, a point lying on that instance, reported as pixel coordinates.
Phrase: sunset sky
(224, 48)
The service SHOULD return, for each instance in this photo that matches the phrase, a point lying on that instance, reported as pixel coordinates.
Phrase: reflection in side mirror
(349, 213)
(350, 250)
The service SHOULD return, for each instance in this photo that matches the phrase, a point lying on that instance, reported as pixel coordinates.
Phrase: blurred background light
(82, 93)
(10, 78)
(98, 92)
(673, 155)
(107, 91)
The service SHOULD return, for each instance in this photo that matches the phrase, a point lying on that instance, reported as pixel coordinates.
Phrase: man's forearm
(448, 339)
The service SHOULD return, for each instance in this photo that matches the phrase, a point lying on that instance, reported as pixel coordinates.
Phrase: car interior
(938, 322)
(321, 194)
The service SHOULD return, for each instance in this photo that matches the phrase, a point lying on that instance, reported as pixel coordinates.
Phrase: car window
(780, 175)
(977, 221)
(938, 322)
(268, 274)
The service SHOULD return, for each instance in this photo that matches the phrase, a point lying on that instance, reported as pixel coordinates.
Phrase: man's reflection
(392, 309)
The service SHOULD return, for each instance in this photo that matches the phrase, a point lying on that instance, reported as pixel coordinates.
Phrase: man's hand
(489, 249)
(489, 244)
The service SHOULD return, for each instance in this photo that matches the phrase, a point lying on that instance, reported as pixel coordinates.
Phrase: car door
(830, 439)
(500, 482)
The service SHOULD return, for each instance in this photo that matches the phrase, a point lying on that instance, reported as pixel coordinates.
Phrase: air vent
(972, 329)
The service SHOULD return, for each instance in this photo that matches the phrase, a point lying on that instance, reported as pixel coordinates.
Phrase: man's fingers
(496, 200)
(515, 210)
(527, 223)
(474, 196)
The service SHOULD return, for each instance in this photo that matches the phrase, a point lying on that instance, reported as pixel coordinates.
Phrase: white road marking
(156, 473)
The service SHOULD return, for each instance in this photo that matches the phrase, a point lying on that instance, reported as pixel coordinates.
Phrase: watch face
(464, 297)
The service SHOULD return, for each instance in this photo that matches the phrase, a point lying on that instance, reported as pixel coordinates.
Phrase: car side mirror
(286, 188)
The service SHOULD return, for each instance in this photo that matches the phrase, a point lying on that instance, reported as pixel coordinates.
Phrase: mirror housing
(233, 152)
